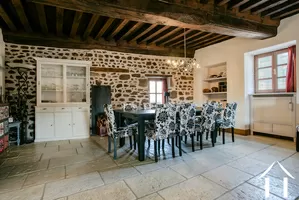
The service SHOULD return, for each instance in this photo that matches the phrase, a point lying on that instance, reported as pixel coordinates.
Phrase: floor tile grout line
(44, 190)
(160, 195)
(263, 189)
(24, 181)
(130, 188)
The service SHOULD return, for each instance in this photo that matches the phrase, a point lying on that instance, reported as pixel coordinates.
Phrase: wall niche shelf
(215, 93)
(215, 79)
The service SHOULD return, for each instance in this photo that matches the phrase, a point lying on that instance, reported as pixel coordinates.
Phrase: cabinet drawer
(262, 127)
(80, 109)
(44, 109)
(284, 130)
(62, 109)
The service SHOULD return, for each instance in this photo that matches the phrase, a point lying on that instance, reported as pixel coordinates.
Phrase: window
(271, 71)
(156, 90)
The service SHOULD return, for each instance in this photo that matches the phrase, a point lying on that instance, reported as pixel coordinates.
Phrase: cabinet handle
(80, 107)
(69, 124)
(44, 108)
(51, 124)
(291, 106)
(62, 108)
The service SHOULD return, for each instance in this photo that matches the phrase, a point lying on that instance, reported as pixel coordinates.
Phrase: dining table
(139, 116)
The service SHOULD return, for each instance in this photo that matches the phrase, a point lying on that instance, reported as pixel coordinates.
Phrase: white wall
(233, 52)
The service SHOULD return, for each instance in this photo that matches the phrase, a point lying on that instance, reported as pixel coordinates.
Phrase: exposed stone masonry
(126, 73)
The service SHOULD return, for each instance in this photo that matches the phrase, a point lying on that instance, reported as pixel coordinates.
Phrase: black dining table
(140, 116)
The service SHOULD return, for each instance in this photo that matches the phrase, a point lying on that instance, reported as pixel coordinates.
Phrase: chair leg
(131, 145)
(233, 134)
(185, 139)
(223, 136)
(172, 147)
(163, 144)
(219, 130)
(207, 135)
(212, 138)
(159, 147)
(149, 143)
(200, 140)
(134, 140)
(180, 145)
(115, 149)
(176, 141)
(197, 136)
(192, 141)
(109, 144)
(168, 140)
(155, 151)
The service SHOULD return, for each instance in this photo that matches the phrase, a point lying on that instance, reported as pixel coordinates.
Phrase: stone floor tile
(276, 186)
(191, 168)
(9, 154)
(4, 171)
(55, 143)
(73, 185)
(29, 167)
(193, 189)
(69, 146)
(119, 173)
(153, 181)
(292, 163)
(247, 192)
(249, 165)
(115, 191)
(227, 176)
(31, 193)
(59, 154)
(90, 166)
(45, 176)
(278, 173)
(57, 162)
(144, 168)
(154, 196)
(21, 160)
(13, 183)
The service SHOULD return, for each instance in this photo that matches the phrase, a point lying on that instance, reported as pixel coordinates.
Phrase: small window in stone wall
(157, 88)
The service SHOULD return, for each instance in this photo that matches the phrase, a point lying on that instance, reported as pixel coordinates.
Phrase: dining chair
(229, 120)
(115, 133)
(129, 106)
(148, 106)
(163, 128)
(187, 113)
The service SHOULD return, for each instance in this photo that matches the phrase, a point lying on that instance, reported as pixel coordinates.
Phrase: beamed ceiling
(140, 26)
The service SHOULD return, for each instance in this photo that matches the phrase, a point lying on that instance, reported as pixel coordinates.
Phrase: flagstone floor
(82, 169)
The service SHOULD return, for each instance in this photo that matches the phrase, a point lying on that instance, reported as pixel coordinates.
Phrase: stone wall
(126, 73)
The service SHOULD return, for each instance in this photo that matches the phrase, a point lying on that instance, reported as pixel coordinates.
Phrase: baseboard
(239, 131)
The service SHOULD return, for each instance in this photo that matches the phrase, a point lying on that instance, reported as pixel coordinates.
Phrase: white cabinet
(63, 99)
(274, 114)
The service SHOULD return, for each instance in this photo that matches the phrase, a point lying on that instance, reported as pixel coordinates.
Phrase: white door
(44, 125)
(63, 125)
(80, 123)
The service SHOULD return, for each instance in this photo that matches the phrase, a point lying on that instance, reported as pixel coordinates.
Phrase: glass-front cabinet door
(76, 84)
(51, 83)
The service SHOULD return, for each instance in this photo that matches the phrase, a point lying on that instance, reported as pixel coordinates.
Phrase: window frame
(273, 70)
(149, 93)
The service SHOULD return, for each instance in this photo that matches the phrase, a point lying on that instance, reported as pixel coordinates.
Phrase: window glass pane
(152, 88)
(265, 61)
(152, 98)
(281, 83)
(265, 84)
(159, 98)
(159, 86)
(282, 70)
(282, 58)
(265, 73)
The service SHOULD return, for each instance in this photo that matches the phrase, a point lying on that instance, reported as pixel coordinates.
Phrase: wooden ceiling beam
(192, 42)
(266, 6)
(42, 17)
(238, 4)
(151, 27)
(75, 25)
(21, 14)
(119, 28)
(205, 41)
(180, 43)
(205, 18)
(174, 31)
(279, 7)
(59, 21)
(64, 42)
(154, 34)
(222, 2)
(285, 13)
(104, 28)
(168, 42)
(189, 39)
(136, 27)
(90, 26)
(221, 39)
(7, 20)
(251, 4)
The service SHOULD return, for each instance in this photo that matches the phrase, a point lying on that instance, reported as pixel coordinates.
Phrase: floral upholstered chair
(229, 119)
(163, 127)
(114, 132)
(187, 113)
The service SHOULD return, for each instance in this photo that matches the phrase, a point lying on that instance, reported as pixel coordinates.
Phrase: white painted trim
(62, 61)
(21, 65)
(57, 139)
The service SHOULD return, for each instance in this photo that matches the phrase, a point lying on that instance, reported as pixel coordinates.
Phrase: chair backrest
(129, 106)
(110, 119)
(229, 116)
(165, 122)
(209, 114)
(187, 119)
